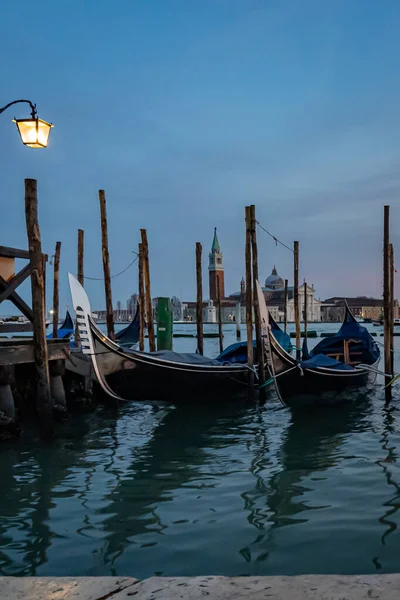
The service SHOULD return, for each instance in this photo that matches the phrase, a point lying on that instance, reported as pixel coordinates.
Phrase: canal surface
(227, 490)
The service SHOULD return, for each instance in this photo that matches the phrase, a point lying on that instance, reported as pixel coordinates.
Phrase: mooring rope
(383, 345)
(113, 276)
(373, 369)
(276, 240)
(271, 379)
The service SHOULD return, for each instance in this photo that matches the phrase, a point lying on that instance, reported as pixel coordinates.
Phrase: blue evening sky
(184, 111)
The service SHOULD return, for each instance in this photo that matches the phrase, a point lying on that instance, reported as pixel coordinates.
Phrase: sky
(184, 111)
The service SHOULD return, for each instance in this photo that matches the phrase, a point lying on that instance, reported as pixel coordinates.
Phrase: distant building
(131, 304)
(210, 311)
(333, 309)
(176, 306)
(216, 282)
(216, 274)
(274, 294)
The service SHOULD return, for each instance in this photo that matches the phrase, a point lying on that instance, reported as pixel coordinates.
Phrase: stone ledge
(64, 588)
(304, 587)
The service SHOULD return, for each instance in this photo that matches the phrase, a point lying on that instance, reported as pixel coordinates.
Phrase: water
(229, 490)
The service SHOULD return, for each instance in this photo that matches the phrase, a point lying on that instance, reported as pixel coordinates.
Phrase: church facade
(274, 294)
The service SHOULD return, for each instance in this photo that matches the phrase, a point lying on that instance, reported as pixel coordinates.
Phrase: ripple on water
(233, 490)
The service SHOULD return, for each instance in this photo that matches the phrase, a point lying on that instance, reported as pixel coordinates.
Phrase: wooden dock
(20, 350)
(18, 381)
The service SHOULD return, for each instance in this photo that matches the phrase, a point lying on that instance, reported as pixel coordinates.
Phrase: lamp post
(34, 132)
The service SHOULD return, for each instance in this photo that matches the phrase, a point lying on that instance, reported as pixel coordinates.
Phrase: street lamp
(34, 132)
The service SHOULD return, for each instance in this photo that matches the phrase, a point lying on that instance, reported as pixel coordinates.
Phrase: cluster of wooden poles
(145, 303)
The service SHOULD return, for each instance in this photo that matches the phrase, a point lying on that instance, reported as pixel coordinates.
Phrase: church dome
(274, 281)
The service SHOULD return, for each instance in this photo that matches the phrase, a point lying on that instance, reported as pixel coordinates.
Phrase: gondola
(130, 334)
(66, 330)
(331, 371)
(132, 375)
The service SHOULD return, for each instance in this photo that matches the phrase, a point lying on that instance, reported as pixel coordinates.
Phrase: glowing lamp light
(34, 132)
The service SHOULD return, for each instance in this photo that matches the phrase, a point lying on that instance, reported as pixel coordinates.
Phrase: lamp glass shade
(34, 132)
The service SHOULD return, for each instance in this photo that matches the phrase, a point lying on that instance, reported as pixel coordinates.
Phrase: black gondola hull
(140, 376)
(310, 387)
(146, 383)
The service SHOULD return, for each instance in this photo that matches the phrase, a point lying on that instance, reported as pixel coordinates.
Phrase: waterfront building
(274, 294)
(333, 309)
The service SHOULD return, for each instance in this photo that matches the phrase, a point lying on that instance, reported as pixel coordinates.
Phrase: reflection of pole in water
(173, 457)
(29, 501)
(311, 444)
(388, 428)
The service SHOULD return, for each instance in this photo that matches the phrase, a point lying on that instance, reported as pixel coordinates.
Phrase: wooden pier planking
(17, 351)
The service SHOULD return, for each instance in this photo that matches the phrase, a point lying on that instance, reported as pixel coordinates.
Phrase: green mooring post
(164, 324)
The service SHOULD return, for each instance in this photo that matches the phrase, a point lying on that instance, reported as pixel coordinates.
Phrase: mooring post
(142, 304)
(106, 265)
(199, 299)
(386, 305)
(44, 403)
(149, 307)
(7, 407)
(80, 275)
(391, 271)
(257, 316)
(249, 303)
(296, 299)
(238, 320)
(285, 307)
(220, 333)
(57, 391)
(305, 310)
(56, 287)
(80, 272)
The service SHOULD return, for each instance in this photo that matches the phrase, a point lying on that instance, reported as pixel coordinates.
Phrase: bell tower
(216, 269)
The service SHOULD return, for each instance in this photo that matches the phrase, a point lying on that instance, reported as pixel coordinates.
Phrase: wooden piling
(386, 306)
(142, 304)
(257, 316)
(57, 391)
(7, 406)
(220, 333)
(238, 319)
(285, 307)
(80, 272)
(106, 265)
(305, 310)
(391, 271)
(56, 289)
(149, 307)
(199, 299)
(43, 400)
(80, 276)
(249, 319)
(296, 298)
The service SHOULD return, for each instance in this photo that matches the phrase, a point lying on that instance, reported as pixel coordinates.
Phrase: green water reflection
(233, 490)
